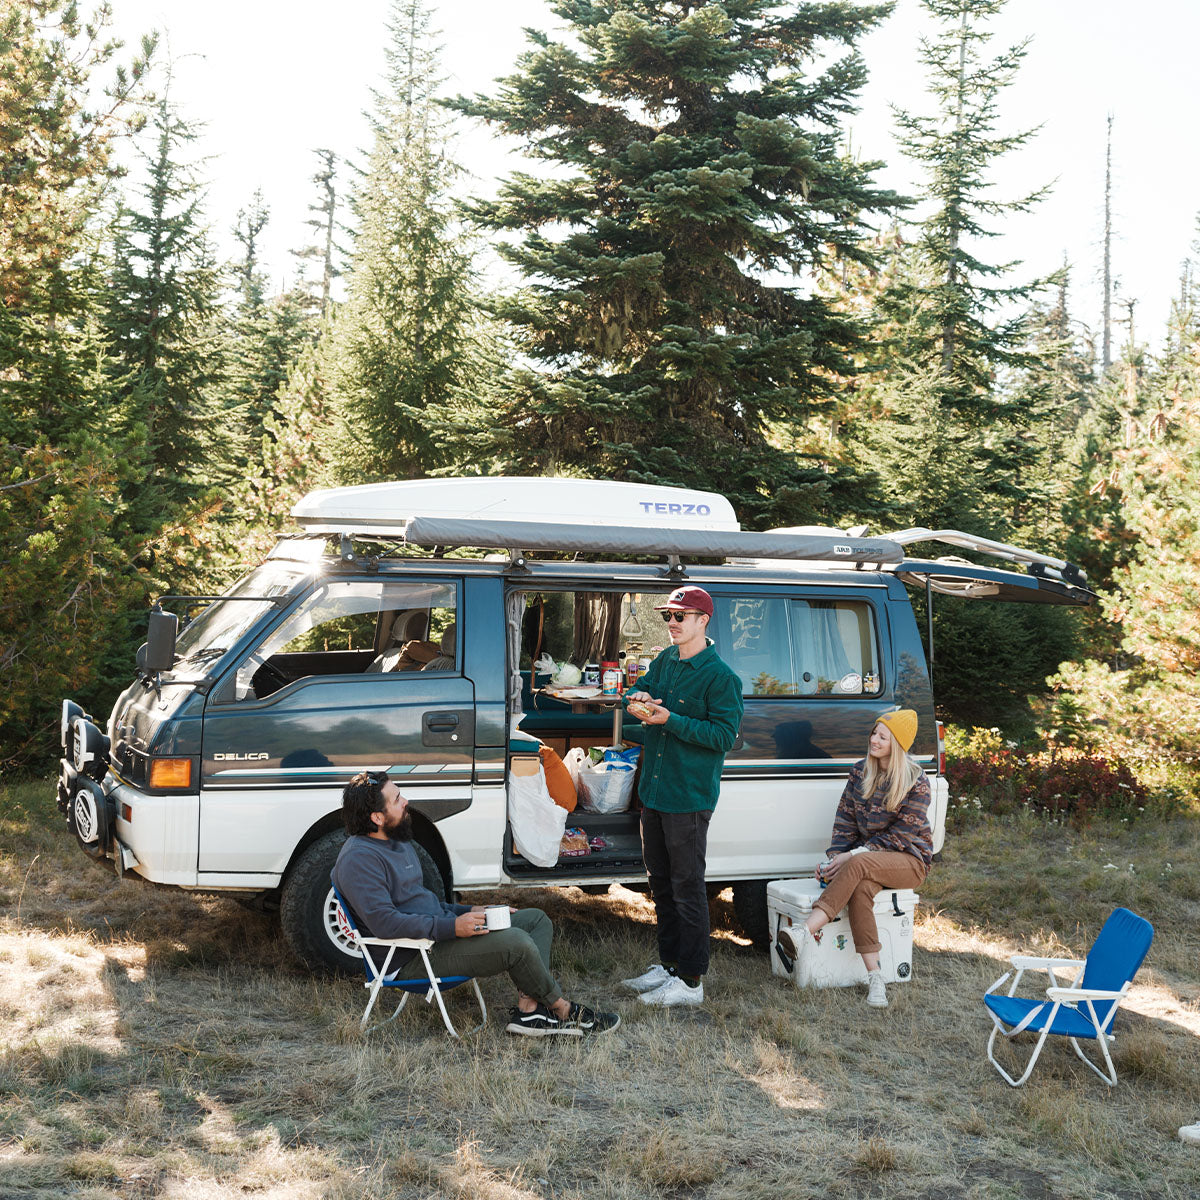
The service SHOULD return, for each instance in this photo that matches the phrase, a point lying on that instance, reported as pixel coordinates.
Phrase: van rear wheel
(750, 907)
(308, 910)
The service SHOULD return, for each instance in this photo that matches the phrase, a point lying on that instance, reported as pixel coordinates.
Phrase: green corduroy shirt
(682, 760)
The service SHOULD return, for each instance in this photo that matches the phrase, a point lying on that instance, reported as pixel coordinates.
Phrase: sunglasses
(675, 614)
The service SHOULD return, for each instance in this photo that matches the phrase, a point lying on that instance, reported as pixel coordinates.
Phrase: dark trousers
(673, 847)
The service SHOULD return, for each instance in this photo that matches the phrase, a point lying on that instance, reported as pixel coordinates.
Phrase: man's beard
(401, 830)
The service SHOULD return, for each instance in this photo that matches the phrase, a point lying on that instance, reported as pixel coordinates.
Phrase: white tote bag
(537, 822)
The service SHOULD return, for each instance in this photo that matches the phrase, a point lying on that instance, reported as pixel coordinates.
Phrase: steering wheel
(267, 672)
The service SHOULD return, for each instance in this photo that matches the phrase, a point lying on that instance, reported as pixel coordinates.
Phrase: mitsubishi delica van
(399, 629)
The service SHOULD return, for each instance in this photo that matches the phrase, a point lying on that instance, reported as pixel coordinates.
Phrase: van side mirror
(158, 651)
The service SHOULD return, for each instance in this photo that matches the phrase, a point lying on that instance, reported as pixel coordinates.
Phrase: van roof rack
(1045, 566)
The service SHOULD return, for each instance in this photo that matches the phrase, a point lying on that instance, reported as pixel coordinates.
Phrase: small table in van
(588, 703)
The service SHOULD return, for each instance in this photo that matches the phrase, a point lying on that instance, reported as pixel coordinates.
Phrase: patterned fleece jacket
(864, 821)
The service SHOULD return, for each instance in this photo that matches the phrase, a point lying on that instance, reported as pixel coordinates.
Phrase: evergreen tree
(296, 451)
(946, 335)
(1048, 401)
(957, 146)
(67, 579)
(407, 344)
(326, 250)
(1145, 700)
(693, 155)
(267, 337)
(246, 230)
(951, 445)
(166, 328)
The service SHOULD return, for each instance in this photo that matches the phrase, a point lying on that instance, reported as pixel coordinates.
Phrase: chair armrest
(1030, 963)
(1069, 995)
(402, 943)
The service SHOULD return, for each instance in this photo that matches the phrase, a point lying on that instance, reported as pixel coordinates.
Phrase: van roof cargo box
(586, 516)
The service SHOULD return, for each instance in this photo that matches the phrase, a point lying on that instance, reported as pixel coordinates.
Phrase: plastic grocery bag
(573, 760)
(605, 787)
(563, 674)
(537, 822)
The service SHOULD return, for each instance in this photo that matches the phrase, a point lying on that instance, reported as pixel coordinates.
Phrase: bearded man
(379, 875)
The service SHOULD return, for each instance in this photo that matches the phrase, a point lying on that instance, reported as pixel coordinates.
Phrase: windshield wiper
(207, 652)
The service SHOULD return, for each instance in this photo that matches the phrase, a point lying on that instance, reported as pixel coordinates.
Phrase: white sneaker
(655, 977)
(674, 993)
(1190, 1134)
(876, 991)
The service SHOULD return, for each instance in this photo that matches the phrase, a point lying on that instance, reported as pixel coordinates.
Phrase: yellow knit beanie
(902, 725)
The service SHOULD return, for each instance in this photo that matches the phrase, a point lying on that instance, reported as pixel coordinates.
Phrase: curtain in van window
(597, 626)
(514, 622)
(835, 639)
(827, 640)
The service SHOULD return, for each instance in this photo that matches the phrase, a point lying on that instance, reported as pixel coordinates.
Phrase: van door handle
(449, 727)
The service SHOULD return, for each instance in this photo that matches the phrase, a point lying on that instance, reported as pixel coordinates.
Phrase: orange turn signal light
(170, 772)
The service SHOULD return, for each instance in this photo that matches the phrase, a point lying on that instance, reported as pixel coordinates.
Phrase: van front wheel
(308, 911)
(750, 907)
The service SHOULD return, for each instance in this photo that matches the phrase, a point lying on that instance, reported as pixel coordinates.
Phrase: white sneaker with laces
(673, 994)
(876, 991)
(655, 977)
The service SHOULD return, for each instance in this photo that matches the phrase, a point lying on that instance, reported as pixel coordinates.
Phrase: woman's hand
(835, 864)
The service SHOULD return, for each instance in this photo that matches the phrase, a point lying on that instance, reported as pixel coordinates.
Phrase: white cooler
(834, 962)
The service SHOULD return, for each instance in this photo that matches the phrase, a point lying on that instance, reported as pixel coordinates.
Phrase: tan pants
(859, 880)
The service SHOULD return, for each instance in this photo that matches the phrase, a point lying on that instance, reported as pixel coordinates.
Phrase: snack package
(575, 843)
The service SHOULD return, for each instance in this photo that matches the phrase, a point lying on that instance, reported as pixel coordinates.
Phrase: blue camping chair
(377, 977)
(1082, 1009)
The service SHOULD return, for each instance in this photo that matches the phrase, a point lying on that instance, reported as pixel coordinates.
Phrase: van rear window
(781, 646)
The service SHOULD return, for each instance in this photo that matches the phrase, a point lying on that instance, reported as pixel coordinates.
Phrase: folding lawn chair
(1082, 1009)
(377, 977)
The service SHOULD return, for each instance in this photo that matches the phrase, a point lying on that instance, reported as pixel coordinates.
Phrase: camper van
(401, 628)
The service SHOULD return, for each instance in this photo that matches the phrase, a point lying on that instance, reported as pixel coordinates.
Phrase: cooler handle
(896, 906)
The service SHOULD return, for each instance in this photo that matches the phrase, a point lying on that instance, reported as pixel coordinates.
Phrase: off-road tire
(750, 907)
(307, 906)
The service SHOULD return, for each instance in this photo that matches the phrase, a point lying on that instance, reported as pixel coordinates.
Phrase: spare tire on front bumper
(91, 815)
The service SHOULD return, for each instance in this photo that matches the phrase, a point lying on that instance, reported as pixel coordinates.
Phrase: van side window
(352, 627)
(787, 647)
(835, 644)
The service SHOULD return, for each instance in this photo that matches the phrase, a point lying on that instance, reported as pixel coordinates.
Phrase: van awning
(969, 581)
(617, 539)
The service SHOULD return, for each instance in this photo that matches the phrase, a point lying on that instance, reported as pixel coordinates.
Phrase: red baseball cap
(689, 597)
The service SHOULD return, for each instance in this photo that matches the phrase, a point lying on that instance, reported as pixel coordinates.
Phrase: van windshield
(221, 625)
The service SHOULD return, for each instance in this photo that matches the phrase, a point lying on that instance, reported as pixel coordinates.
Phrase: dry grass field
(156, 1044)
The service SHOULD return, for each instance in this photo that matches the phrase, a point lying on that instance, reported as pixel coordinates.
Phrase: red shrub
(1067, 784)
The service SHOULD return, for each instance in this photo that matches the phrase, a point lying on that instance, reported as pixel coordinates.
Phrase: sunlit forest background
(705, 288)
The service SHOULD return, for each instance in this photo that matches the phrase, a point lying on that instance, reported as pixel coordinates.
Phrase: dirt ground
(159, 1044)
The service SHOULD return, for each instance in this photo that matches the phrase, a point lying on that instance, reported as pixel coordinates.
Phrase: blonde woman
(881, 839)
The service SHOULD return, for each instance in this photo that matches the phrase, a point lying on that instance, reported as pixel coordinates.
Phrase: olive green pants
(523, 951)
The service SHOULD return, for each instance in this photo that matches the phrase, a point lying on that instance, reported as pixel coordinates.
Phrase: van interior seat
(445, 660)
(406, 649)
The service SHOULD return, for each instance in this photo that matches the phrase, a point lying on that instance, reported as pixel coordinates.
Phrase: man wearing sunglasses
(694, 704)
